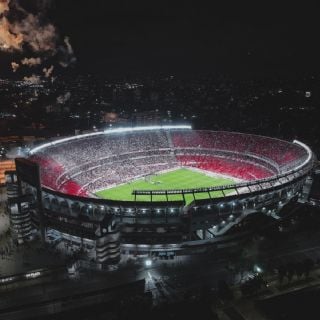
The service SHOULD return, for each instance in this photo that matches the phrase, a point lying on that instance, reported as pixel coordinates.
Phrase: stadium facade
(268, 172)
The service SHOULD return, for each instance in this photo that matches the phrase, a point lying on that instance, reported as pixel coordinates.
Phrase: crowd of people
(50, 170)
(103, 146)
(97, 162)
(279, 151)
(231, 167)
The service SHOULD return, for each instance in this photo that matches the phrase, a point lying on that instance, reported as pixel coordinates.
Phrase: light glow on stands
(5, 280)
(33, 275)
(146, 128)
(308, 151)
(108, 131)
(52, 143)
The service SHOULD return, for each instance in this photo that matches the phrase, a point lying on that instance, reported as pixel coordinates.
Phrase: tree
(290, 271)
(281, 272)
(308, 265)
(299, 269)
(224, 290)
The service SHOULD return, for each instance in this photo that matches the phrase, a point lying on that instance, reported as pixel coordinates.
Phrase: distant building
(19, 210)
(5, 166)
(113, 118)
(152, 117)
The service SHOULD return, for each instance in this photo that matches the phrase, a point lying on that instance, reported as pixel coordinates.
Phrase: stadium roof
(110, 131)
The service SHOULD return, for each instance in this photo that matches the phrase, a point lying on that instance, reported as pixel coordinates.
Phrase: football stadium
(158, 189)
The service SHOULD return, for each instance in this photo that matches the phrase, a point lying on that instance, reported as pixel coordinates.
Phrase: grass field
(178, 179)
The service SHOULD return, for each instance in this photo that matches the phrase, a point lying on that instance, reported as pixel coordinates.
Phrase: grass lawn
(178, 179)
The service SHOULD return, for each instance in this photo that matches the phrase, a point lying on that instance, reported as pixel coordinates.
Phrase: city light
(148, 263)
(257, 269)
(33, 275)
(308, 151)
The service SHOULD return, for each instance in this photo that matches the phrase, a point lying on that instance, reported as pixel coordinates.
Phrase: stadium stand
(49, 170)
(238, 169)
(85, 165)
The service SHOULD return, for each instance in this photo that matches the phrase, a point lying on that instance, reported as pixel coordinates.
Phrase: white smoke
(68, 56)
(68, 45)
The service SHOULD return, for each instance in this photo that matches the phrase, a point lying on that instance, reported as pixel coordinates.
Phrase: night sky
(127, 36)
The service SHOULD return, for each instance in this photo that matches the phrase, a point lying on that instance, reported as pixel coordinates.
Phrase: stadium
(161, 189)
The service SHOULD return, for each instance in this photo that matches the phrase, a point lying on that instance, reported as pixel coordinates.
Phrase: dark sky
(189, 36)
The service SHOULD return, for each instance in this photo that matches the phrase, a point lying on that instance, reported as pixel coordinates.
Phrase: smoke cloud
(33, 79)
(40, 38)
(68, 45)
(68, 56)
(31, 61)
(14, 66)
(9, 41)
(4, 6)
(64, 98)
(28, 31)
(22, 31)
(48, 71)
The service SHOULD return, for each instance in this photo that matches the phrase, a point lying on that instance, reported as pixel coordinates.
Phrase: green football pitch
(178, 179)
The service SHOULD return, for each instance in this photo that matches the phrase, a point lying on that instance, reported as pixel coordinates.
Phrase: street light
(257, 269)
(148, 263)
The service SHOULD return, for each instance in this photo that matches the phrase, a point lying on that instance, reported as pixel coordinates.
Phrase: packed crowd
(235, 168)
(50, 170)
(103, 146)
(279, 151)
(87, 165)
